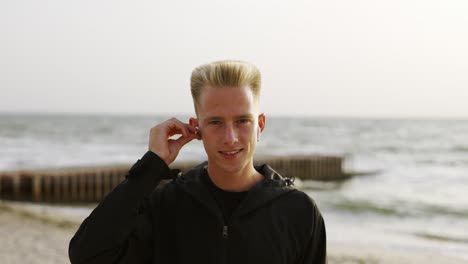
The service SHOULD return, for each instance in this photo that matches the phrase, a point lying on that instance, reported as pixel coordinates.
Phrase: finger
(185, 128)
(175, 131)
(176, 127)
(192, 129)
(184, 140)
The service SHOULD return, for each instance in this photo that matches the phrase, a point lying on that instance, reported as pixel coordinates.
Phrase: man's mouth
(230, 153)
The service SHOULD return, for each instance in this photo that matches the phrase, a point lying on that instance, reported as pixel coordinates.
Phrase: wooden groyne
(91, 184)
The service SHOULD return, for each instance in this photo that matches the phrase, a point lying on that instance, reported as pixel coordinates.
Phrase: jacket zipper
(225, 231)
(224, 242)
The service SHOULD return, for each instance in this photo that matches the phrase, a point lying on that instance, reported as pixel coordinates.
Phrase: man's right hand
(165, 147)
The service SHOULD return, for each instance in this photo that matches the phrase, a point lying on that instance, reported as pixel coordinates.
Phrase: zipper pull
(225, 231)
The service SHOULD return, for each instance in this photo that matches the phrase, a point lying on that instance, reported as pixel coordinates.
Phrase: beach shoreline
(40, 234)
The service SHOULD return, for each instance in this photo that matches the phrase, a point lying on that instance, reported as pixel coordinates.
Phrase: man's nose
(230, 135)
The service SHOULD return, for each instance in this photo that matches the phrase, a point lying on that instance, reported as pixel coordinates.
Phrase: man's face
(228, 121)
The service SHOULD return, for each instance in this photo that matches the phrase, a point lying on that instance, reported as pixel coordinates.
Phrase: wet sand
(31, 234)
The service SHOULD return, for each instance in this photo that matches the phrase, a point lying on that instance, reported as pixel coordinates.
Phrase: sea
(409, 190)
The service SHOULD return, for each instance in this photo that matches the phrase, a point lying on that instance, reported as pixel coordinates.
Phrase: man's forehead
(227, 102)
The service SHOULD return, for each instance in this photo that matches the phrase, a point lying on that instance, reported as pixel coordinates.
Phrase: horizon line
(273, 115)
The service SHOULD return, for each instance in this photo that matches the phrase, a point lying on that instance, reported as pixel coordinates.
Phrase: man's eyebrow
(246, 116)
(208, 118)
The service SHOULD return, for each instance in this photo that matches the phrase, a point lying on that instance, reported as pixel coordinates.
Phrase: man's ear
(261, 122)
(193, 121)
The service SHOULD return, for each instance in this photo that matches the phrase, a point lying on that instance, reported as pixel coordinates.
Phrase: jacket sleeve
(119, 229)
(316, 250)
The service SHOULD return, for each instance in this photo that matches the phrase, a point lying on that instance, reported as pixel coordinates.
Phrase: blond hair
(226, 73)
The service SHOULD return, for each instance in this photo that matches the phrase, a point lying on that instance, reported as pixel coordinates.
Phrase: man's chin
(230, 166)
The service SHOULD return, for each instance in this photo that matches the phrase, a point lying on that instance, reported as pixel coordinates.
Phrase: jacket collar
(272, 186)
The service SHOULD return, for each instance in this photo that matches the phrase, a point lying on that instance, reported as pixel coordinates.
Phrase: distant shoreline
(269, 115)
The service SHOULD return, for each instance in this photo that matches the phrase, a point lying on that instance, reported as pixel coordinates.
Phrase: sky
(360, 58)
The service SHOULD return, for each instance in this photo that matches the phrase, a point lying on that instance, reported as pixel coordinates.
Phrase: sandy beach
(39, 234)
(32, 237)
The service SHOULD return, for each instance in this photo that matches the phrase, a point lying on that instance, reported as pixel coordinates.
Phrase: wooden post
(56, 187)
(74, 187)
(82, 187)
(325, 168)
(16, 186)
(319, 168)
(98, 188)
(65, 178)
(91, 179)
(107, 183)
(36, 188)
(47, 188)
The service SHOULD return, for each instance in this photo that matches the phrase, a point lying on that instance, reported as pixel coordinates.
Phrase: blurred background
(382, 84)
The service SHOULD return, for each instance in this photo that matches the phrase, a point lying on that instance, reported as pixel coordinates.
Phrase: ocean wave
(363, 206)
(441, 238)
(415, 148)
(434, 210)
(310, 185)
(399, 209)
(447, 163)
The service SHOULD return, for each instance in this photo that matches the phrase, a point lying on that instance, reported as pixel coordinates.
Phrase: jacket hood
(271, 187)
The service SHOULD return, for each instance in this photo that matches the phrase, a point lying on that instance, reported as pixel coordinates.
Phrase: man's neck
(235, 181)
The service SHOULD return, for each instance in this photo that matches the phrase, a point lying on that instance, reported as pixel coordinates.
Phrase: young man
(222, 211)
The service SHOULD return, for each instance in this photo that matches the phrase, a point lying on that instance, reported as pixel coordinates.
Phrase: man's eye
(244, 121)
(214, 122)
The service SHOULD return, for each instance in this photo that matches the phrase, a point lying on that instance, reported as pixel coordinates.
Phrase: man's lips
(230, 152)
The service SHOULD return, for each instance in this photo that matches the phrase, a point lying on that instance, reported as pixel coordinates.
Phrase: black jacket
(181, 223)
